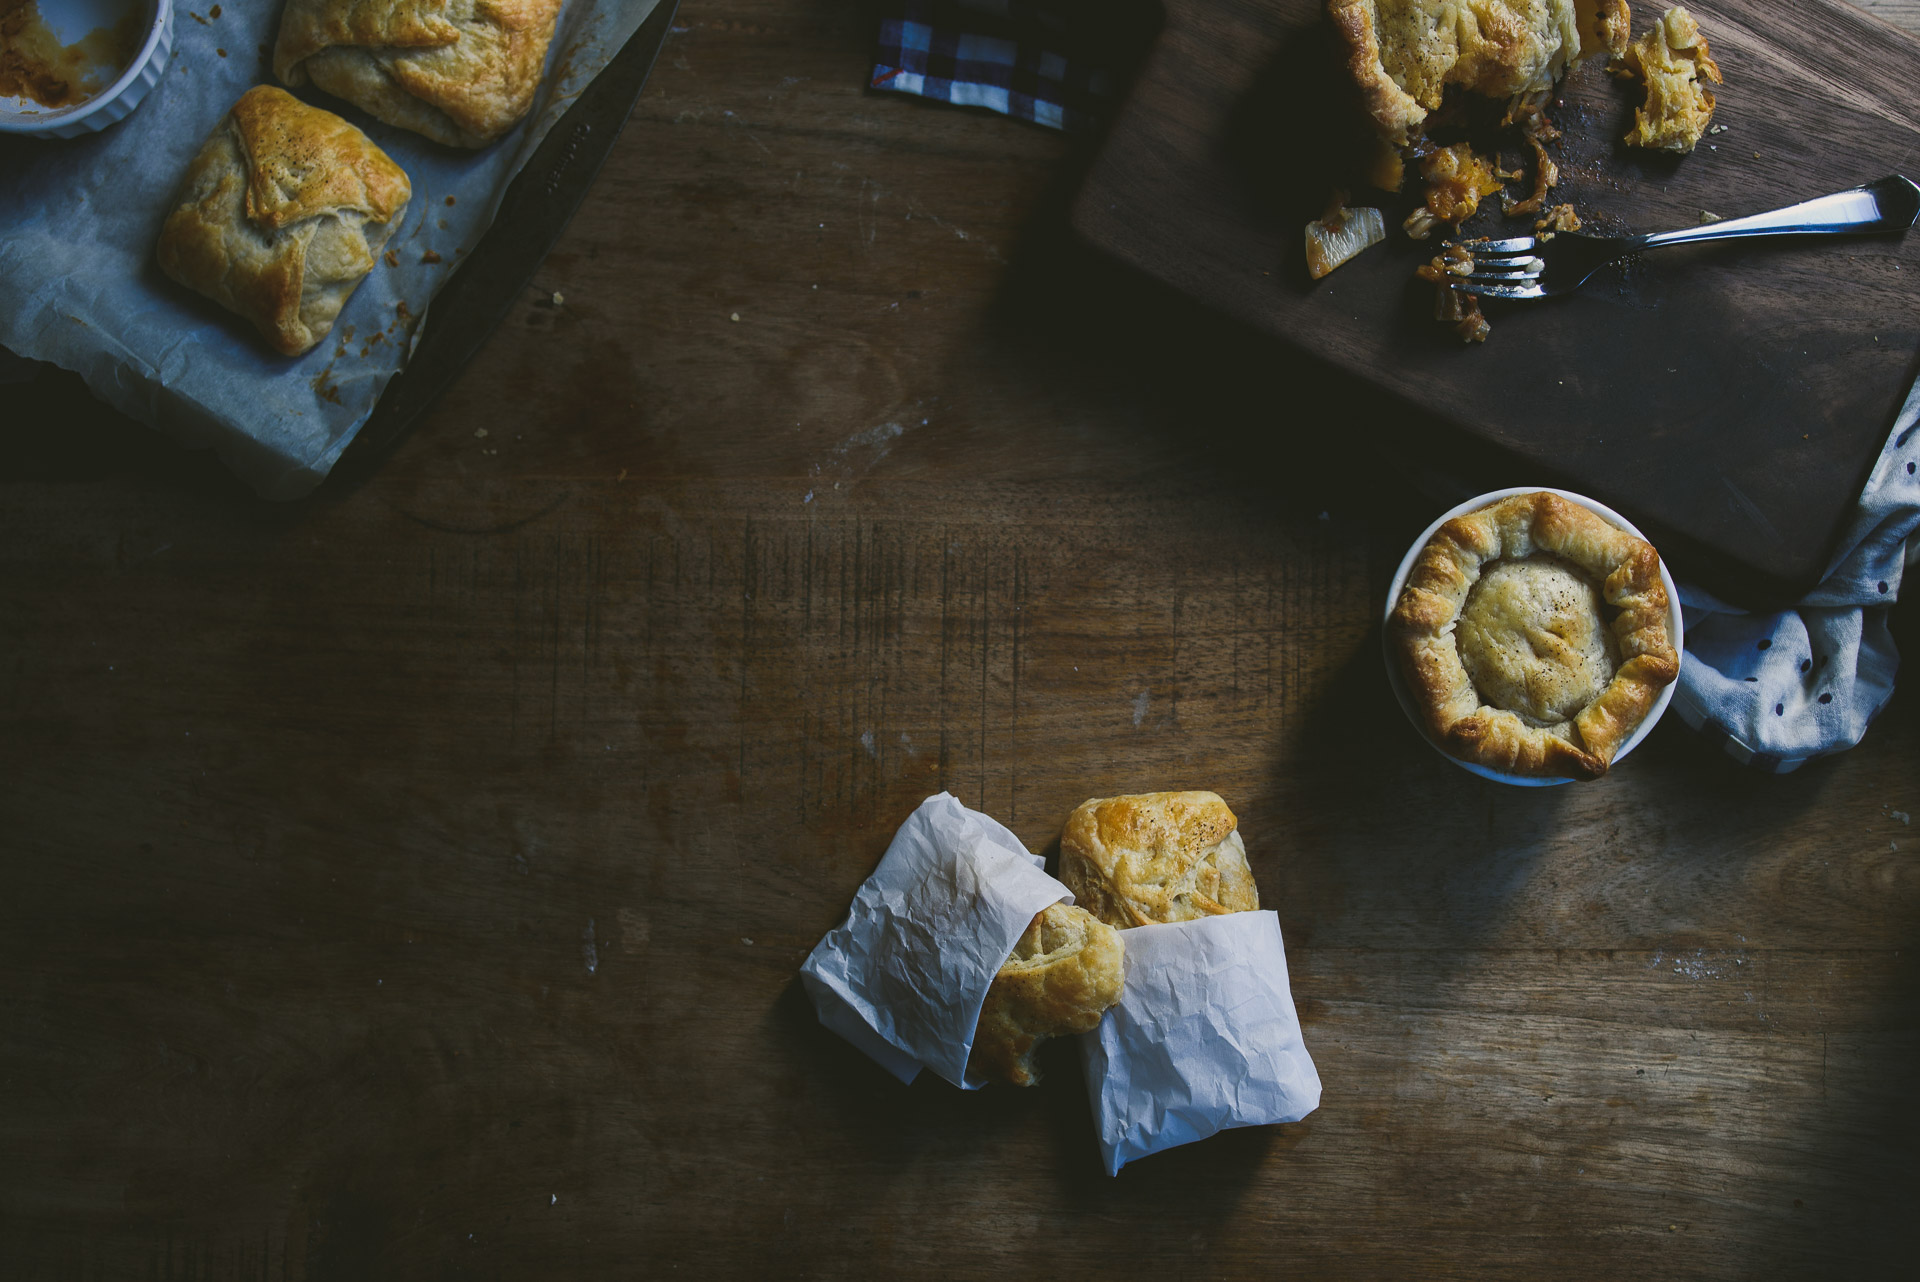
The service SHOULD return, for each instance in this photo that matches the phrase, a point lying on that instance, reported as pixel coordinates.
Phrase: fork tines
(1500, 268)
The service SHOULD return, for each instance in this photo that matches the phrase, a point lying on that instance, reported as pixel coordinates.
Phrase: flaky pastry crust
(281, 215)
(1404, 53)
(1065, 971)
(1673, 58)
(1626, 569)
(462, 72)
(1156, 857)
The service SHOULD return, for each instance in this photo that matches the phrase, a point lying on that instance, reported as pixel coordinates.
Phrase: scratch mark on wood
(1013, 736)
(946, 638)
(491, 527)
(747, 584)
(553, 640)
(986, 652)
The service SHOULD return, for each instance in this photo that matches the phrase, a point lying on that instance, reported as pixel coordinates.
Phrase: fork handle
(1888, 205)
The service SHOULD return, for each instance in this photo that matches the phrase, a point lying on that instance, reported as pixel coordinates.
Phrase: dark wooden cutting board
(1731, 398)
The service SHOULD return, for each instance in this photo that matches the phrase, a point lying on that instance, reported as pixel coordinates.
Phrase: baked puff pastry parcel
(281, 215)
(462, 72)
(1156, 857)
(1403, 54)
(1533, 635)
(1065, 971)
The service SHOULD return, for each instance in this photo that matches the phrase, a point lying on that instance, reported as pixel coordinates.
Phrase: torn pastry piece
(461, 72)
(1405, 54)
(1538, 131)
(1156, 857)
(1558, 219)
(1673, 59)
(1457, 177)
(1065, 971)
(1459, 311)
(1534, 637)
(281, 215)
(1340, 233)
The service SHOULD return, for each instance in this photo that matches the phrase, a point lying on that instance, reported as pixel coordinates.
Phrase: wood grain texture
(1734, 396)
(410, 882)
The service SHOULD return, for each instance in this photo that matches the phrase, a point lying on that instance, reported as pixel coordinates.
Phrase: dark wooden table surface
(409, 882)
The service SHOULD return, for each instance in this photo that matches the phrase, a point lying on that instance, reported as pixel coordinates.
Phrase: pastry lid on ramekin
(1675, 628)
(71, 19)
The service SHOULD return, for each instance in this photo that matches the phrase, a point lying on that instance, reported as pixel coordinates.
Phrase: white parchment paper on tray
(904, 977)
(78, 221)
(1205, 1038)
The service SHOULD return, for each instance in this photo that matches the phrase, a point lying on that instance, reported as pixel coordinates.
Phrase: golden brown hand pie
(1156, 857)
(462, 72)
(1533, 634)
(1404, 53)
(281, 215)
(1065, 971)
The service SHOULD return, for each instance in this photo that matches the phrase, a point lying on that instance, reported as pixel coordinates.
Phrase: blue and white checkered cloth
(1780, 689)
(1011, 56)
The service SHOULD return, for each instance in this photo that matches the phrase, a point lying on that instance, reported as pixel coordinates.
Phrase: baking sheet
(79, 288)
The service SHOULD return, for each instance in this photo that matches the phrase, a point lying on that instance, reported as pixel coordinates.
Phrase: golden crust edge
(1491, 737)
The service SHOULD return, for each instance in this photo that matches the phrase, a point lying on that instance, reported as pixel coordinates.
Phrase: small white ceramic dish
(71, 20)
(1675, 628)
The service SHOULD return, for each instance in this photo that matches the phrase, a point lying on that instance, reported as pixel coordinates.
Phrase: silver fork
(1524, 267)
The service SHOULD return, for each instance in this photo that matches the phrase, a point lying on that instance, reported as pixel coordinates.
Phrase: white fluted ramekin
(112, 104)
(1675, 628)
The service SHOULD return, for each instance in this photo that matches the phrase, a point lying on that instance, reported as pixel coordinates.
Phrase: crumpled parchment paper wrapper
(904, 977)
(1204, 1038)
(79, 288)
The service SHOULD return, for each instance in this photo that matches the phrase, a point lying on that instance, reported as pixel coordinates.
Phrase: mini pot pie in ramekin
(1534, 637)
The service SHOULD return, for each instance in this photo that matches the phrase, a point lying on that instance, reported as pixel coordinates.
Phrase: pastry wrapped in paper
(1204, 1038)
(1064, 973)
(905, 977)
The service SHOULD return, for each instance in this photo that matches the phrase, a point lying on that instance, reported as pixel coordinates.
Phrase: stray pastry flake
(1340, 233)
(1674, 61)
(1456, 180)
(1538, 131)
(1558, 219)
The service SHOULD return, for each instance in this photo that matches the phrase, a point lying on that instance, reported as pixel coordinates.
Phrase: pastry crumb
(559, 299)
(479, 433)
(428, 256)
(1708, 216)
(734, 317)
(393, 258)
(1558, 219)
